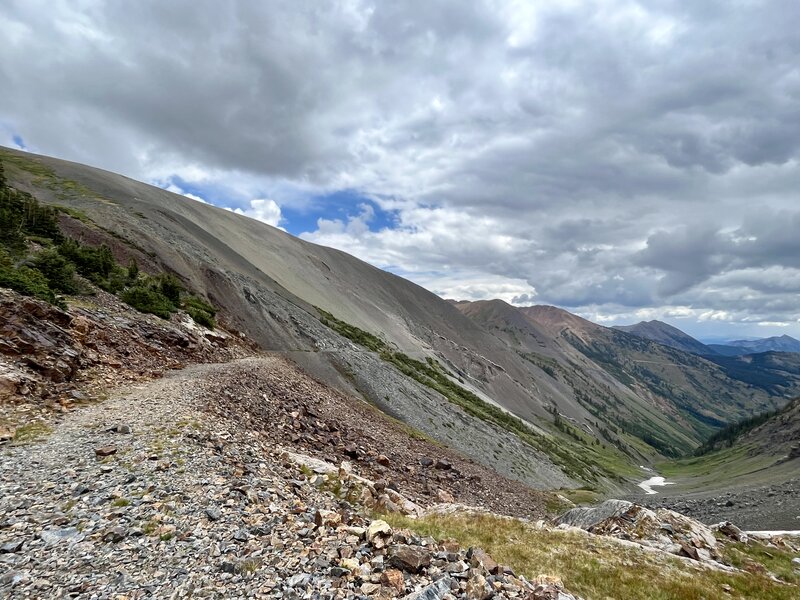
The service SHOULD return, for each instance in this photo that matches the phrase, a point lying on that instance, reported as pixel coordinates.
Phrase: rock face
(51, 359)
(664, 529)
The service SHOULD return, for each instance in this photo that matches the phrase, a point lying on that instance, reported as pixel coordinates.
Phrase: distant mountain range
(783, 343)
(666, 334)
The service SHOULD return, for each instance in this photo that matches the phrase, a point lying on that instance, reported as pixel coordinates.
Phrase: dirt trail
(188, 501)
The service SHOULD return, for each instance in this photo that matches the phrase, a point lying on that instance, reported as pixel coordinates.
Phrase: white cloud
(262, 209)
(605, 155)
(176, 190)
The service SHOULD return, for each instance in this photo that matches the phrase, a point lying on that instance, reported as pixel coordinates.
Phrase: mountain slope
(777, 373)
(699, 389)
(666, 334)
(725, 350)
(402, 348)
(658, 393)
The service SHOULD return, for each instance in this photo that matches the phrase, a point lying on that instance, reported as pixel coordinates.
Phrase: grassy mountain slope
(658, 393)
(690, 387)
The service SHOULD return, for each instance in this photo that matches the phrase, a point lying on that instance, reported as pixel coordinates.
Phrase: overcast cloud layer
(625, 160)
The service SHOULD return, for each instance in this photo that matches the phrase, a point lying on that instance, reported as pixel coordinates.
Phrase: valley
(308, 395)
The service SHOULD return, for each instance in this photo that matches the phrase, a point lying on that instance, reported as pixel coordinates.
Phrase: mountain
(666, 334)
(725, 350)
(783, 343)
(539, 395)
(777, 373)
(660, 394)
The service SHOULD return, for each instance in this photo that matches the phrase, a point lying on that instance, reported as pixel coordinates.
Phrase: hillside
(659, 393)
(615, 401)
(174, 486)
(666, 334)
(778, 436)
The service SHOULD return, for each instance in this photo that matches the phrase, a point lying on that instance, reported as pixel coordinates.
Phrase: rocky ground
(53, 359)
(758, 508)
(275, 397)
(149, 495)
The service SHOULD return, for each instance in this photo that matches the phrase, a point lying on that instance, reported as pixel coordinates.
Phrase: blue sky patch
(340, 205)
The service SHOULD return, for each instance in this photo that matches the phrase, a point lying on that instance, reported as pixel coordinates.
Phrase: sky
(624, 160)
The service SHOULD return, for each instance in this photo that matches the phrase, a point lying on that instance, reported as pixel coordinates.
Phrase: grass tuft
(596, 567)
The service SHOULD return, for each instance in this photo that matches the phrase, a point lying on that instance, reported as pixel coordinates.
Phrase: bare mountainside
(666, 334)
(404, 349)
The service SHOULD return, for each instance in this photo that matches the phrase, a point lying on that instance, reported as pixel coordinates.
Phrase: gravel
(196, 505)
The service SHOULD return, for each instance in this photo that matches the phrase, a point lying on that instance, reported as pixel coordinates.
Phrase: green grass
(749, 556)
(581, 496)
(594, 567)
(31, 432)
(45, 176)
(722, 467)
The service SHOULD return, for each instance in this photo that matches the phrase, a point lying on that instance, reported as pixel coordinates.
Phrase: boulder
(409, 558)
(377, 529)
(435, 591)
(587, 517)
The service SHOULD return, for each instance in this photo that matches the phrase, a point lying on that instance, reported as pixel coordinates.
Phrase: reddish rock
(105, 451)
(393, 578)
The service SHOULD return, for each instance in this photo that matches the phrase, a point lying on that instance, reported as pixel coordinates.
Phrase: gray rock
(11, 547)
(213, 513)
(435, 591)
(587, 517)
(299, 580)
(115, 534)
(70, 535)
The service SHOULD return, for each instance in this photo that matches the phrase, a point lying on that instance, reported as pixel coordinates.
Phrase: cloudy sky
(625, 160)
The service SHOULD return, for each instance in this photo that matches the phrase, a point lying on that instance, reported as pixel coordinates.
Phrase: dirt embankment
(272, 395)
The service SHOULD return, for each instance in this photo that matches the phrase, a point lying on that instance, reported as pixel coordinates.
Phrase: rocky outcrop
(52, 358)
(662, 529)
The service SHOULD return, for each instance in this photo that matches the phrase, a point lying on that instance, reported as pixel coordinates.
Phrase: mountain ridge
(666, 334)
(387, 337)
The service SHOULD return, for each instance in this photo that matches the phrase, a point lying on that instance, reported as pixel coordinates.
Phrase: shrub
(201, 317)
(133, 270)
(170, 287)
(95, 264)
(148, 299)
(59, 272)
(22, 215)
(26, 281)
(201, 311)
